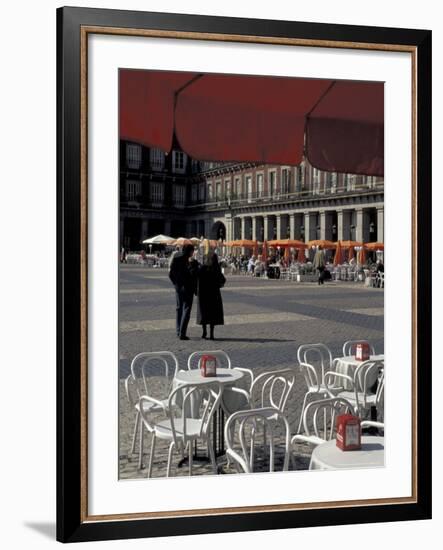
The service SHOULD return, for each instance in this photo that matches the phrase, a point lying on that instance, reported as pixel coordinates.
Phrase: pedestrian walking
(210, 304)
(319, 264)
(183, 275)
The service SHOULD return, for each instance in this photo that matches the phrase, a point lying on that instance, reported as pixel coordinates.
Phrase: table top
(328, 456)
(351, 360)
(224, 377)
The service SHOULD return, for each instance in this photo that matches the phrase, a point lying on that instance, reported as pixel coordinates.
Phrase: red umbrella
(361, 258)
(338, 257)
(264, 251)
(257, 118)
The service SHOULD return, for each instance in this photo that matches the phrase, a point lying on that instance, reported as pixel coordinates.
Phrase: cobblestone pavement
(265, 322)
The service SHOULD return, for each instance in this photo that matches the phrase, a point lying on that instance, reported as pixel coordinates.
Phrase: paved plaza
(265, 322)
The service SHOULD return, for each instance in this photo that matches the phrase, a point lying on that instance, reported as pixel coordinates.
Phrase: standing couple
(190, 278)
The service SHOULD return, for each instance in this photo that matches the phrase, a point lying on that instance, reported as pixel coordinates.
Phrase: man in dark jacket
(183, 275)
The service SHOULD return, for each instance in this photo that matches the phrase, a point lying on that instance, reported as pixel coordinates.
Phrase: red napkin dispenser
(208, 365)
(362, 352)
(348, 432)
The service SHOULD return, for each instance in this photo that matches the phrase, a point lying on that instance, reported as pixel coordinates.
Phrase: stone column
(292, 226)
(229, 226)
(254, 228)
(359, 224)
(310, 229)
(380, 225)
(278, 225)
(265, 228)
(322, 224)
(243, 228)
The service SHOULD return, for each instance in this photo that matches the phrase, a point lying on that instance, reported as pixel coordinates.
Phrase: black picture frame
(72, 521)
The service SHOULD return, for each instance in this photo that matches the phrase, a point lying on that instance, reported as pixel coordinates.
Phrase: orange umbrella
(374, 246)
(323, 243)
(350, 244)
(350, 253)
(338, 257)
(361, 258)
(242, 242)
(287, 255)
(264, 251)
(301, 256)
(290, 243)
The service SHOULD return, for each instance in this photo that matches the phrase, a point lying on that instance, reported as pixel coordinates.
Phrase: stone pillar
(310, 229)
(366, 223)
(380, 225)
(243, 228)
(265, 228)
(359, 224)
(292, 226)
(278, 226)
(322, 224)
(254, 228)
(229, 226)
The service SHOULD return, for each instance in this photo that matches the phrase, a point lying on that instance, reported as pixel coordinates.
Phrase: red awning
(256, 118)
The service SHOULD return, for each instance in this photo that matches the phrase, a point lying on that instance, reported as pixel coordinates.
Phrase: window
(157, 159)
(178, 161)
(157, 193)
(238, 187)
(219, 190)
(273, 183)
(260, 187)
(350, 182)
(201, 192)
(133, 190)
(210, 192)
(228, 188)
(194, 193)
(248, 182)
(315, 181)
(178, 195)
(285, 181)
(133, 156)
(195, 166)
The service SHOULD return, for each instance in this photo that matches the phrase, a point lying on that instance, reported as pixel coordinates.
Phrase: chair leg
(190, 458)
(140, 451)
(212, 456)
(171, 448)
(302, 412)
(151, 456)
(134, 436)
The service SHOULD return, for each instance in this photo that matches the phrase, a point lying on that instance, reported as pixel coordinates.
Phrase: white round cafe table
(226, 377)
(348, 364)
(327, 456)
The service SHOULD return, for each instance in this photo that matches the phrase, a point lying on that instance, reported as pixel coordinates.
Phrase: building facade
(179, 196)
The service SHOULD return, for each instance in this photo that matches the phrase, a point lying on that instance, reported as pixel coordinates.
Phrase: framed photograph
(244, 232)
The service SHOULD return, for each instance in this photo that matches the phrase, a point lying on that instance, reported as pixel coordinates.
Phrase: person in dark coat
(183, 275)
(210, 304)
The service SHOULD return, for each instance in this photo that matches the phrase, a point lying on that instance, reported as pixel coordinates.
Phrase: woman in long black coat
(210, 304)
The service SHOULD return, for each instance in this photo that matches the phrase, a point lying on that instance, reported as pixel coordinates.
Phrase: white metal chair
(319, 420)
(350, 346)
(164, 366)
(314, 361)
(361, 396)
(245, 424)
(182, 431)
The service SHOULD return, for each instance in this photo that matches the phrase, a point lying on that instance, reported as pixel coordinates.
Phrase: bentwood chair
(240, 430)
(176, 427)
(350, 346)
(152, 373)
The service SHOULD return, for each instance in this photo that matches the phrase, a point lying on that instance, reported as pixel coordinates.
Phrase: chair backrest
(273, 388)
(241, 430)
(159, 365)
(350, 346)
(197, 403)
(320, 417)
(223, 359)
(366, 375)
(132, 390)
(314, 360)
